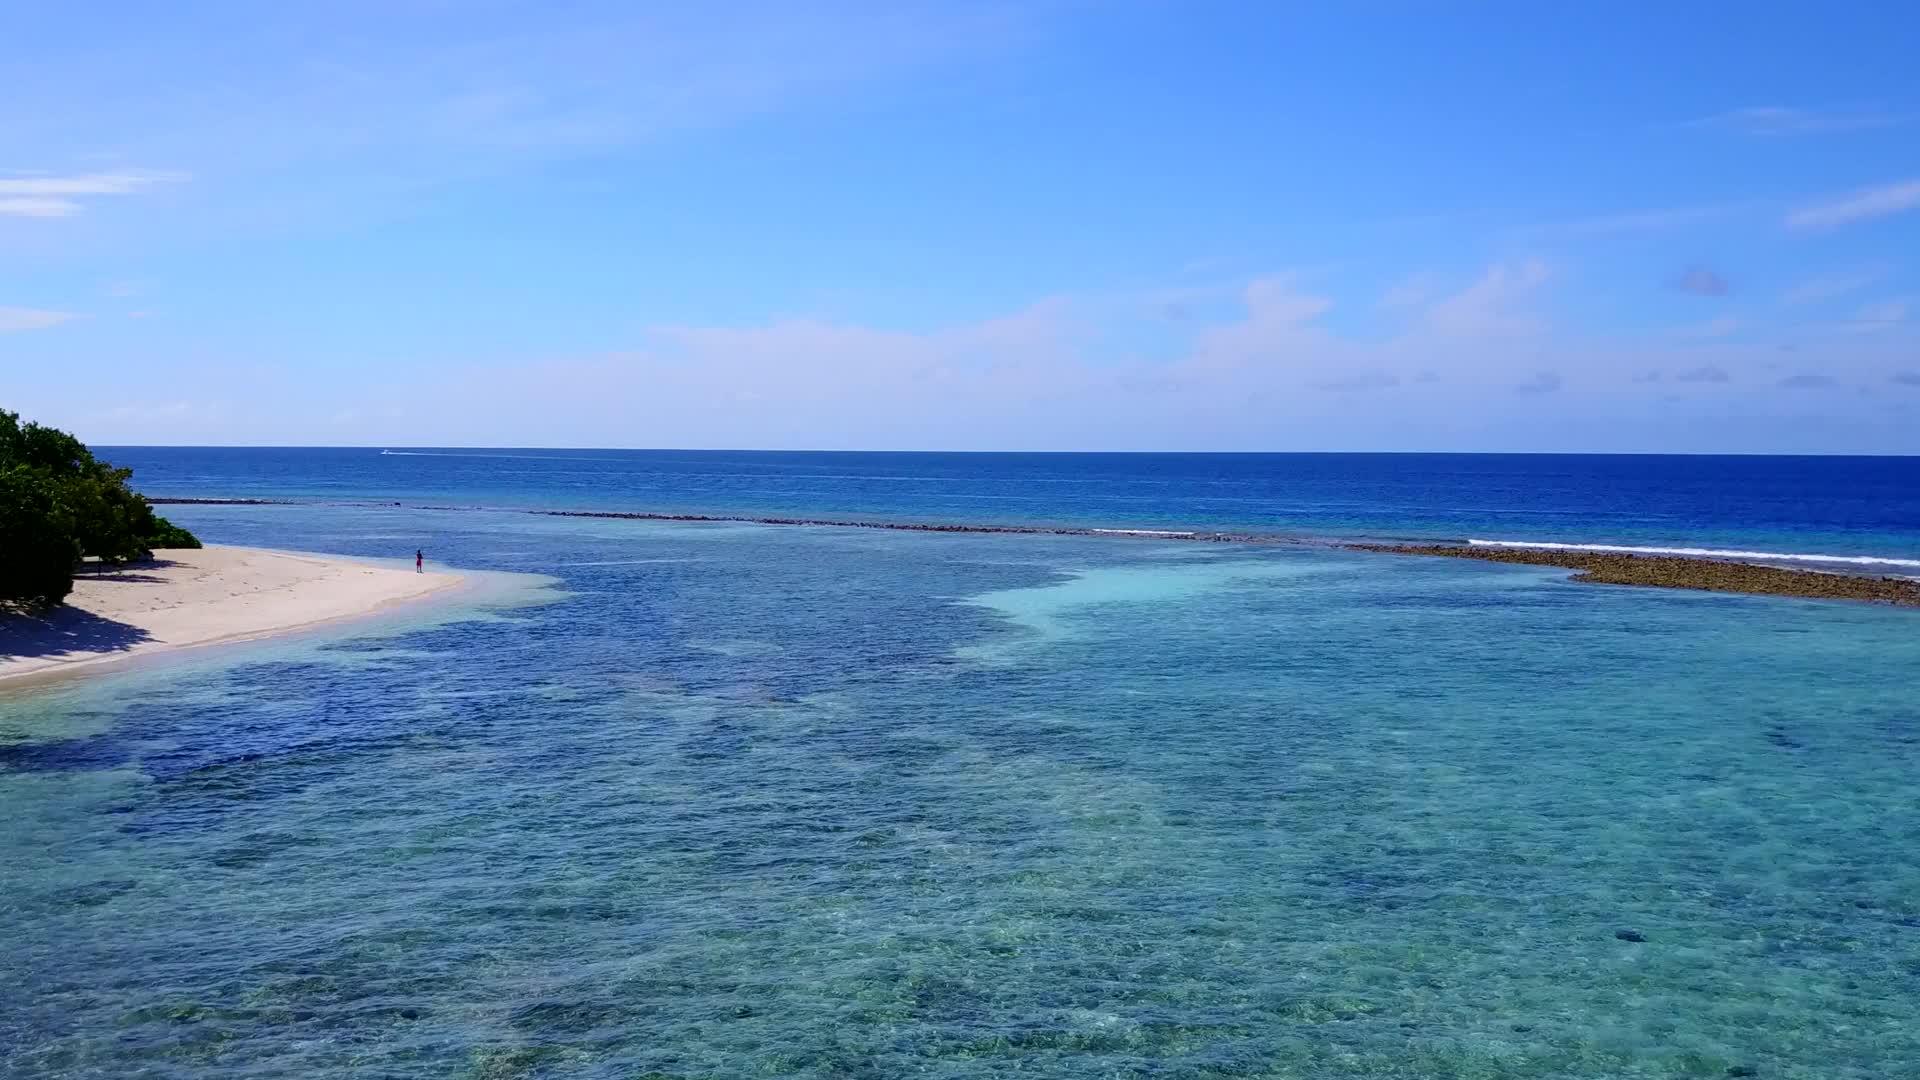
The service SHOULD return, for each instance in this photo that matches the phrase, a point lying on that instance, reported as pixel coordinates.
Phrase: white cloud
(1042, 377)
(88, 184)
(41, 196)
(1489, 306)
(1279, 323)
(1274, 301)
(1281, 374)
(20, 318)
(1861, 205)
(1281, 344)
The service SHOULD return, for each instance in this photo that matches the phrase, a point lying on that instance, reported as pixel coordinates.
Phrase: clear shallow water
(750, 801)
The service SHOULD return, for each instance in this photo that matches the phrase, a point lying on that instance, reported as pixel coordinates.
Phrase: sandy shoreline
(189, 598)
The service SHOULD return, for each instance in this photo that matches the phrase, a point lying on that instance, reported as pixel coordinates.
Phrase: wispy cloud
(1863, 205)
(1280, 320)
(1489, 306)
(1277, 371)
(36, 207)
(1701, 281)
(22, 318)
(1778, 120)
(89, 184)
(1826, 287)
(432, 97)
(1635, 221)
(1808, 382)
(40, 196)
(1879, 315)
(1906, 378)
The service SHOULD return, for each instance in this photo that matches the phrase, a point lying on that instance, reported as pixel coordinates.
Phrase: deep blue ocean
(1837, 505)
(692, 800)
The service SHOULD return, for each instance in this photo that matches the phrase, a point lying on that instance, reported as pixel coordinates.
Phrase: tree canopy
(59, 505)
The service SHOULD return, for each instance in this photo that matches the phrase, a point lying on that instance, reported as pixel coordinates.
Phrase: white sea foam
(1141, 532)
(1705, 553)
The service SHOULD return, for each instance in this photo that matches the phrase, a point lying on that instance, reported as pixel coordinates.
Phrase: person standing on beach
(419, 561)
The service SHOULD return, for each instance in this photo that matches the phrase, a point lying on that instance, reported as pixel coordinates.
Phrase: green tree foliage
(37, 545)
(58, 505)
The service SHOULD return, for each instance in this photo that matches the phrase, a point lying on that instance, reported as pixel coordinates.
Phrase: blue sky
(1146, 226)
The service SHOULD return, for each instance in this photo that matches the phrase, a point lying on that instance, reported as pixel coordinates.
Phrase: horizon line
(1024, 453)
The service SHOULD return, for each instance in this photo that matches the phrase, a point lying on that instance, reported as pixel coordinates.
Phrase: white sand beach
(187, 598)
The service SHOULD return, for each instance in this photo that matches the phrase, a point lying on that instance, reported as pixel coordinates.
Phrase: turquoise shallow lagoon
(739, 801)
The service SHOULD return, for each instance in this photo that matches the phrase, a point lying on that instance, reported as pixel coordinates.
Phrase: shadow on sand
(94, 571)
(64, 630)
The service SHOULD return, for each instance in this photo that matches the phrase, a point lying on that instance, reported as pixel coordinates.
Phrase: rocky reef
(939, 527)
(1682, 572)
